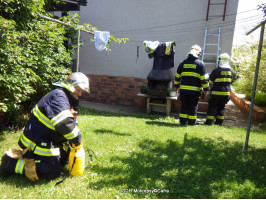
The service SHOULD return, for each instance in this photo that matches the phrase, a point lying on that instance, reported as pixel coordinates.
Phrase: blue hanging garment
(101, 39)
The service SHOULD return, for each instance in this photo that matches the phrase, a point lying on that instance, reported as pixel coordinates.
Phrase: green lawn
(150, 156)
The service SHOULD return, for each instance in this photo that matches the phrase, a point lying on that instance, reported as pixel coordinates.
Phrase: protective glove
(30, 166)
(14, 153)
(30, 169)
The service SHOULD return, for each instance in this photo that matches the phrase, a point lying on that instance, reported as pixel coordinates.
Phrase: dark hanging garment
(161, 60)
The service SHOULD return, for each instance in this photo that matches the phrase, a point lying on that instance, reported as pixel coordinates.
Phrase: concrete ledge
(239, 99)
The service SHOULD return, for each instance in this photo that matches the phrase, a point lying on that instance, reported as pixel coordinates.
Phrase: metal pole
(66, 24)
(77, 69)
(254, 84)
(225, 4)
(208, 8)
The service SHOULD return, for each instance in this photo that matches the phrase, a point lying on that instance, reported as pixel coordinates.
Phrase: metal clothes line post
(67, 24)
(77, 68)
(262, 24)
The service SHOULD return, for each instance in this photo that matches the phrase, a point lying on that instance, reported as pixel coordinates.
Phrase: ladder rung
(215, 16)
(212, 34)
(210, 54)
(210, 63)
(211, 44)
(217, 3)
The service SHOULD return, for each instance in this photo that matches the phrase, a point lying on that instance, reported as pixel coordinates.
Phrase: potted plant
(172, 92)
(143, 89)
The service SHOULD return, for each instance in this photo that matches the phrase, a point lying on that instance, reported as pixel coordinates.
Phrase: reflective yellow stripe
(223, 80)
(26, 142)
(187, 87)
(42, 118)
(192, 117)
(190, 74)
(19, 166)
(210, 117)
(47, 152)
(177, 75)
(225, 73)
(183, 115)
(204, 77)
(61, 116)
(205, 85)
(176, 82)
(192, 66)
(220, 93)
(72, 134)
(219, 117)
(39, 150)
(69, 87)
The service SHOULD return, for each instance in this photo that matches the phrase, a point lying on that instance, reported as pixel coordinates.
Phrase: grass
(149, 152)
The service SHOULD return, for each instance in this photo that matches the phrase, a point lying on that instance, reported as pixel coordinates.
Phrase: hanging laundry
(101, 39)
(169, 47)
(150, 46)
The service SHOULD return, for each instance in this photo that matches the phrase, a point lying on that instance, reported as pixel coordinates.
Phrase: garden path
(234, 117)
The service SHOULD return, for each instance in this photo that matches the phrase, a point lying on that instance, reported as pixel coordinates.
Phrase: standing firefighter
(50, 131)
(221, 78)
(191, 77)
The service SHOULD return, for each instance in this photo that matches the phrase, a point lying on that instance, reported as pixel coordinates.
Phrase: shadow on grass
(99, 131)
(21, 181)
(197, 168)
(163, 124)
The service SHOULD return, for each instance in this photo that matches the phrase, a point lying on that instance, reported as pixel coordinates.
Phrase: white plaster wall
(182, 21)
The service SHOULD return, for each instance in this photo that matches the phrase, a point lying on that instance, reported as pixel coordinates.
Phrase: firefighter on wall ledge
(51, 129)
(221, 78)
(191, 77)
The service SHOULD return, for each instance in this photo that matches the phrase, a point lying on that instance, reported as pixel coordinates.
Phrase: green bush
(243, 62)
(32, 56)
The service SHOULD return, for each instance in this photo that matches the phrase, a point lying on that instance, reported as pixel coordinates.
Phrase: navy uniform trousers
(216, 109)
(189, 107)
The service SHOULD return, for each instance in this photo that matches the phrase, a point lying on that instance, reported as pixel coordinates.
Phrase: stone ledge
(239, 99)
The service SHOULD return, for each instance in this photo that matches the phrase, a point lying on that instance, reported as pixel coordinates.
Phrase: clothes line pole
(78, 45)
(78, 33)
(255, 79)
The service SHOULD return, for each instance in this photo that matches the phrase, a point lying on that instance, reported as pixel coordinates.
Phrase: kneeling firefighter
(49, 134)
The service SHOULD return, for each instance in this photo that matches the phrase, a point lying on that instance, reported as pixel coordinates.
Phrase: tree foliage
(244, 61)
(33, 54)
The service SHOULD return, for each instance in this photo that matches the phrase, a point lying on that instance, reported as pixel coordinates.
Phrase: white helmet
(224, 59)
(224, 56)
(195, 50)
(79, 79)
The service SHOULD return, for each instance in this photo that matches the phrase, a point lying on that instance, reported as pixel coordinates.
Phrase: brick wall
(118, 90)
(115, 90)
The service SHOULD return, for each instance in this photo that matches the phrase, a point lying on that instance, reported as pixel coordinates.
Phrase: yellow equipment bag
(77, 160)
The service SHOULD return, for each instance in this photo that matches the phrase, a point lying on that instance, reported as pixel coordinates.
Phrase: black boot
(4, 166)
(219, 122)
(209, 122)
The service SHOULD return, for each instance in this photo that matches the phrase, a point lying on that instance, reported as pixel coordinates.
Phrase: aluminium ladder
(209, 57)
